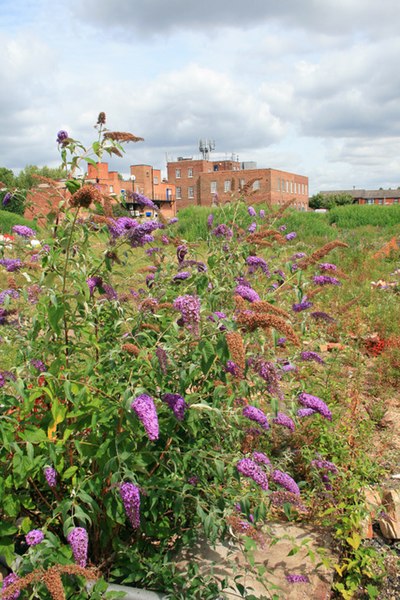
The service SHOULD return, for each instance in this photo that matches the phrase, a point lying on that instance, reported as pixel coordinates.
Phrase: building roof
(360, 193)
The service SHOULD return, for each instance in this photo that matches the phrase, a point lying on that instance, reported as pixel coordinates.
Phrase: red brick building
(382, 197)
(205, 182)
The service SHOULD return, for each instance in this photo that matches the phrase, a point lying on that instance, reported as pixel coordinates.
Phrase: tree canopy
(328, 201)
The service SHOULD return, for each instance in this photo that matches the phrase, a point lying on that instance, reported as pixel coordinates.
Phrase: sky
(307, 86)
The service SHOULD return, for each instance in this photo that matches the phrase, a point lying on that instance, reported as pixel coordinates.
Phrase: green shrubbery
(9, 219)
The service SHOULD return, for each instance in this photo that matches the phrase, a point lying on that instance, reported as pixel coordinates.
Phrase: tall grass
(8, 220)
(349, 217)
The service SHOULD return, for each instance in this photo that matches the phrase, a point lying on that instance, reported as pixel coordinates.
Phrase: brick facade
(205, 182)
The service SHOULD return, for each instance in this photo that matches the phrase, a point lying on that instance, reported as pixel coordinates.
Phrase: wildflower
(309, 355)
(323, 316)
(286, 481)
(165, 240)
(176, 404)
(315, 403)
(251, 211)
(181, 276)
(287, 366)
(249, 468)
(101, 119)
(255, 262)
(327, 267)
(140, 234)
(210, 220)
(303, 305)
(38, 364)
(7, 581)
(262, 213)
(144, 408)
(255, 414)
(62, 136)
(34, 537)
(247, 293)
(284, 420)
(268, 372)
(173, 220)
(282, 228)
(261, 459)
(181, 252)
(294, 578)
(141, 200)
(194, 480)
(222, 231)
(305, 412)
(93, 283)
(251, 228)
(7, 198)
(232, 368)
(24, 231)
(85, 196)
(51, 476)
(189, 307)
(11, 264)
(110, 293)
(281, 341)
(325, 280)
(78, 540)
(130, 495)
(291, 236)
(298, 255)
(324, 465)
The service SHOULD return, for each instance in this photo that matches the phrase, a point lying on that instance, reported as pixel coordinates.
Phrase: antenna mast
(205, 147)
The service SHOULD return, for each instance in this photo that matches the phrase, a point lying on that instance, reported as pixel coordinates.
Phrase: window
(287, 186)
(370, 201)
(291, 187)
(178, 193)
(155, 180)
(302, 188)
(190, 192)
(111, 189)
(242, 183)
(190, 172)
(213, 187)
(395, 200)
(178, 173)
(279, 185)
(256, 185)
(227, 185)
(380, 201)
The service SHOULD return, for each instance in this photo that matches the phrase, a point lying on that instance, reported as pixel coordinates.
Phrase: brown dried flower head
(101, 119)
(252, 320)
(265, 307)
(236, 348)
(320, 253)
(122, 136)
(131, 349)
(85, 196)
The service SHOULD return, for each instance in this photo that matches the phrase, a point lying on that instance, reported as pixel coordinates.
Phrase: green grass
(9, 219)
(349, 217)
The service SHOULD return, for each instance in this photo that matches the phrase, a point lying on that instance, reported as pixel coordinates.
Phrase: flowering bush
(136, 414)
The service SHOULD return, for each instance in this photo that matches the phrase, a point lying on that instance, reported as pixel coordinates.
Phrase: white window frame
(178, 193)
(177, 173)
(213, 187)
(190, 172)
(191, 192)
(227, 185)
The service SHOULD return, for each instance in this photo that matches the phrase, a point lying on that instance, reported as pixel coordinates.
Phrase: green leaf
(69, 472)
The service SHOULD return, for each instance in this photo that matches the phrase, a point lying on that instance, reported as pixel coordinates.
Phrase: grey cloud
(158, 17)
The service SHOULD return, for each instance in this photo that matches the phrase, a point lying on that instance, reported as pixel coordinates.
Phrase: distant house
(383, 197)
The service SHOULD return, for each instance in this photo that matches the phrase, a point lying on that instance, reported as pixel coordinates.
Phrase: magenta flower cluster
(145, 410)
(176, 403)
(284, 420)
(51, 476)
(7, 581)
(24, 231)
(255, 414)
(130, 496)
(286, 482)
(255, 262)
(247, 293)
(309, 355)
(325, 280)
(34, 537)
(78, 540)
(249, 468)
(316, 404)
(189, 307)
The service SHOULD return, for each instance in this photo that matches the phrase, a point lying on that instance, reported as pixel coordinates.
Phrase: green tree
(328, 201)
(7, 177)
(27, 180)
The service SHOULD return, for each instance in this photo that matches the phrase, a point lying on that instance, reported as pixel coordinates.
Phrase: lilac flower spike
(189, 307)
(305, 412)
(130, 495)
(24, 231)
(286, 481)
(247, 293)
(255, 414)
(256, 262)
(324, 465)
(7, 198)
(177, 404)
(251, 228)
(262, 213)
(291, 236)
(249, 468)
(300, 306)
(62, 135)
(51, 476)
(93, 283)
(146, 412)
(284, 420)
(316, 404)
(34, 537)
(78, 540)
(251, 211)
(326, 280)
(308, 355)
(294, 578)
(327, 267)
(261, 459)
(7, 581)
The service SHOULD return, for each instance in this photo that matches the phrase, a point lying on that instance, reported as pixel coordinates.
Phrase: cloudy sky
(309, 86)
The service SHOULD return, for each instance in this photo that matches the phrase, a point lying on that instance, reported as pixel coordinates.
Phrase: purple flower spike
(325, 280)
(305, 412)
(189, 307)
(7, 581)
(181, 252)
(130, 495)
(247, 293)
(286, 481)
(291, 236)
(251, 211)
(176, 404)
(304, 305)
(251, 228)
(309, 355)
(232, 368)
(210, 220)
(261, 459)
(78, 540)
(293, 578)
(62, 135)
(324, 465)
(7, 198)
(327, 267)
(24, 231)
(284, 420)
(249, 468)
(34, 537)
(316, 404)
(144, 407)
(181, 276)
(51, 476)
(255, 414)
(262, 213)
(93, 283)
